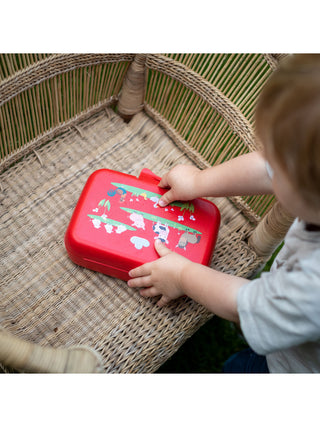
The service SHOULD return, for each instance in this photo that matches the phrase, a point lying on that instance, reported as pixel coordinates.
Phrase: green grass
(206, 350)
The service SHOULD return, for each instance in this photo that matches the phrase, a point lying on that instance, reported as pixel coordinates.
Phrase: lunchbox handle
(148, 175)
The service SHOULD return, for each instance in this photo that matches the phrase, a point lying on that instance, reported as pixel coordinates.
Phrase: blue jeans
(246, 362)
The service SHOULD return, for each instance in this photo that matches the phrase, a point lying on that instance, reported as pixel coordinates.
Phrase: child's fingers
(139, 282)
(164, 181)
(163, 301)
(161, 248)
(142, 270)
(167, 198)
(149, 292)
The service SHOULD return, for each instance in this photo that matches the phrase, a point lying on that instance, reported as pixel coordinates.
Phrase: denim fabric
(246, 362)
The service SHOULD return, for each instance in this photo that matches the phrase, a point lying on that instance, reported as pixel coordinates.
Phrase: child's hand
(160, 277)
(182, 181)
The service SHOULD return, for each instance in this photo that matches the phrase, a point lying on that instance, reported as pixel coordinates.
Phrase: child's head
(288, 124)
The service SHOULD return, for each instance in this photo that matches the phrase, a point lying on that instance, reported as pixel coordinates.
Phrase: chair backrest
(40, 94)
(206, 104)
(210, 101)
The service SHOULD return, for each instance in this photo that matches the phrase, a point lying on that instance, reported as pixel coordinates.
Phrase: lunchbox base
(109, 270)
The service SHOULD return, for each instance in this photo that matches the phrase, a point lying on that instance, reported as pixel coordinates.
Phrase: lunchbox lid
(117, 218)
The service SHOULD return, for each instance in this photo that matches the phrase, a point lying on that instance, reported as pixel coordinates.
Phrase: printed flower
(120, 229)
(180, 218)
(109, 228)
(96, 223)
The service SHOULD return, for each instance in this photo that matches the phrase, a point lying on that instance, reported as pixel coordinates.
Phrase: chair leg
(132, 93)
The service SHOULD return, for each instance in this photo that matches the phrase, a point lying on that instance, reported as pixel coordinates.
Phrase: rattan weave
(54, 134)
(50, 300)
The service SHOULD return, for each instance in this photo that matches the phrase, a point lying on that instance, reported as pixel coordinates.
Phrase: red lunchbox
(117, 219)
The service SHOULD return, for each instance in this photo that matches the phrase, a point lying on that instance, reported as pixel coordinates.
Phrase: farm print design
(140, 225)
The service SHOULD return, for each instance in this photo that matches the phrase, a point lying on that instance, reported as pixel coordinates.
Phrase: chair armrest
(270, 232)
(27, 357)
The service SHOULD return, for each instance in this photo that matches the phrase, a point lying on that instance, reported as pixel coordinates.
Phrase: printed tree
(103, 218)
(106, 204)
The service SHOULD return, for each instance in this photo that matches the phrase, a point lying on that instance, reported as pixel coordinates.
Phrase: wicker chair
(63, 116)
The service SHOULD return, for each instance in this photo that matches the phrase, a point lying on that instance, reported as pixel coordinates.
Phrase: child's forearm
(215, 290)
(243, 175)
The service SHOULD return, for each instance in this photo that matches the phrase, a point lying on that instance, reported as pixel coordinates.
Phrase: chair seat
(51, 301)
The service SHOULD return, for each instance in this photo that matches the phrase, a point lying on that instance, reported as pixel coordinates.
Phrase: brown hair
(288, 122)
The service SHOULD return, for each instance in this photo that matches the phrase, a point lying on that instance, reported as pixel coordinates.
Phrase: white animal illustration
(138, 220)
(162, 232)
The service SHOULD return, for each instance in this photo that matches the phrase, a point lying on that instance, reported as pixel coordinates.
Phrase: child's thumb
(166, 199)
(161, 248)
